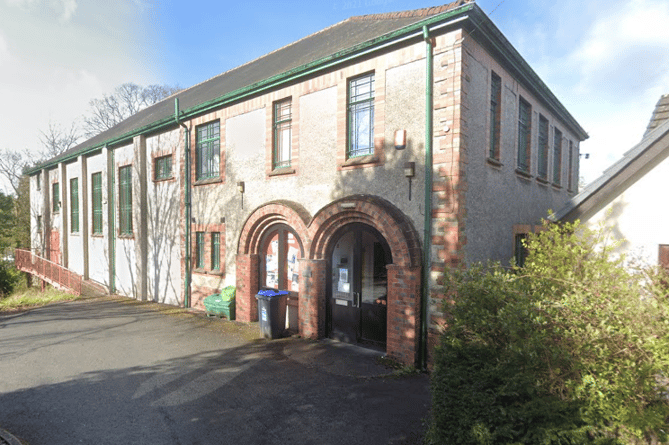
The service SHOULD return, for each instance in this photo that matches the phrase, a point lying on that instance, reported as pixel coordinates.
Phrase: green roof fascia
(491, 37)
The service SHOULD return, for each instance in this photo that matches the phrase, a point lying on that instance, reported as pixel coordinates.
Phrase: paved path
(110, 371)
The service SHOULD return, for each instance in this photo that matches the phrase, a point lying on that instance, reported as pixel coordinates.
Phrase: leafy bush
(9, 278)
(572, 348)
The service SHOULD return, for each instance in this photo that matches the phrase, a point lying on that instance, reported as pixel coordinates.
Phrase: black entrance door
(358, 287)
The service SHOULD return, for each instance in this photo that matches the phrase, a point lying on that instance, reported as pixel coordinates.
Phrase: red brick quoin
(317, 234)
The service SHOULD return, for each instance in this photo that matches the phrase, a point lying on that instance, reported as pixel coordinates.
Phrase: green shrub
(9, 278)
(572, 348)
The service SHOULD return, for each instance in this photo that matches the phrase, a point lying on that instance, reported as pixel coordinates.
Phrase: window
(361, 116)
(125, 200)
(162, 168)
(55, 197)
(96, 179)
(38, 178)
(524, 131)
(39, 224)
(280, 249)
(557, 156)
(282, 134)
(495, 115)
(74, 205)
(207, 151)
(570, 172)
(199, 250)
(216, 251)
(520, 250)
(542, 164)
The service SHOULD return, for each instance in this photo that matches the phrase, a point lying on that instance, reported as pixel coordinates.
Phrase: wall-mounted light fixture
(400, 139)
(409, 172)
(240, 187)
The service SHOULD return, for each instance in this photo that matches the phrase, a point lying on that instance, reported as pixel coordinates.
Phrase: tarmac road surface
(114, 371)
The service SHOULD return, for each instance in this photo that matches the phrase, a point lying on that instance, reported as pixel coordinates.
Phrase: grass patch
(33, 297)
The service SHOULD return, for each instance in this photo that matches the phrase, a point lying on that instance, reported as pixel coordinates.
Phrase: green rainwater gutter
(427, 236)
(187, 204)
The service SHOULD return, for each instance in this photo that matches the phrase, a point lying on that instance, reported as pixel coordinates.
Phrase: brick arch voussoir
(268, 215)
(375, 212)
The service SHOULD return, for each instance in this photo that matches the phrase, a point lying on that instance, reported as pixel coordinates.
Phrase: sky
(607, 61)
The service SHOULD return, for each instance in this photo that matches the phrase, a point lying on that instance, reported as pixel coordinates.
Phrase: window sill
(542, 181)
(557, 186)
(216, 180)
(494, 162)
(126, 236)
(282, 171)
(213, 273)
(97, 235)
(362, 160)
(171, 178)
(524, 174)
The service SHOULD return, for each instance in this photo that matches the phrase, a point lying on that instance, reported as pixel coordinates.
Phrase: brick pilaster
(311, 310)
(403, 313)
(247, 287)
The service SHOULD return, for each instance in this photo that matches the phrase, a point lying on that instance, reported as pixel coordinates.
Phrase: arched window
(280, 249)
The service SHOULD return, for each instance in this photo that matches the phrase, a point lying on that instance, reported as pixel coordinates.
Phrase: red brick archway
(316, 234)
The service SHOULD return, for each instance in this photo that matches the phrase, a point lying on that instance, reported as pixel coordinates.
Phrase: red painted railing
(49, 271)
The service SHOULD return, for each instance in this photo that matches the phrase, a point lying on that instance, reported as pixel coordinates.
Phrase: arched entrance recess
(404, 274)
(317, 235)
(262, 223)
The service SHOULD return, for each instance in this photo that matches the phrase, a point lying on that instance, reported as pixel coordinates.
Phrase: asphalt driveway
(110, 371)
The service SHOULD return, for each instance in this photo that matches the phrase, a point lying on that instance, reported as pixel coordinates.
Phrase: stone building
(351, 168)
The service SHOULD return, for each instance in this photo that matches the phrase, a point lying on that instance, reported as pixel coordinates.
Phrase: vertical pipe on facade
(187, 204)
(427, 242)
(111, 172)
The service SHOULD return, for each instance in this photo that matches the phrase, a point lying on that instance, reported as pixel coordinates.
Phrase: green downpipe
(112, 222)
(187, 203)
(427, 250)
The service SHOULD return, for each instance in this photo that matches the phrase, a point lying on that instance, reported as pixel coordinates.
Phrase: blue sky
(606, 60)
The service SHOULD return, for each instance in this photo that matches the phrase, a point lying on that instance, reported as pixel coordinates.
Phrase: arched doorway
(357, 286)
(280, 249)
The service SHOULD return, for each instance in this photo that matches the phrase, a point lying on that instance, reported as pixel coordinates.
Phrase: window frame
(200, 250)
(557, 156)
(125, 226)
(570, 171)
(360, 104)
(74, 205)
(215, 241)
(542, 148)
(282, 122)
(524, 162)
(160, 172)
(208, 151)
(494, 151)
(96, 204)
(55, 197)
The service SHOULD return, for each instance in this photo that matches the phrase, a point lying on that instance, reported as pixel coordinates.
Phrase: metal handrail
(47, 270)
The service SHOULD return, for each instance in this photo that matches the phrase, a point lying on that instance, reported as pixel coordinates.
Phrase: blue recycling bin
(272, 312)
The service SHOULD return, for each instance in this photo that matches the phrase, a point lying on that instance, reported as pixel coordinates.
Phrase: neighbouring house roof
(653, 148)
(322, 50)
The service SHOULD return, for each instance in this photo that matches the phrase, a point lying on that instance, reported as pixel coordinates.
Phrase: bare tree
(12, 165)
(126, 100)
(57, 140)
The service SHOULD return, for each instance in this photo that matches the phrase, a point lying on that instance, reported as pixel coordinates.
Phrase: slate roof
(316, 51)
(623, 173)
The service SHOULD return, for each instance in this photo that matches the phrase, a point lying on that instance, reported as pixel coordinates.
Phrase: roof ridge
(422, 12)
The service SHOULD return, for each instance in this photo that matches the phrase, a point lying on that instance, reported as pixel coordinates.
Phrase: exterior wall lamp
(409, 172)
(240, 187)
(400, 139)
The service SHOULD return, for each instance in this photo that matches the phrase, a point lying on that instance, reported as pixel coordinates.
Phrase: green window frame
(207, 152)
(520, 250)
(216, 251)
(39, 224)
(55, 197)
(38, 178)
(125, 200)
(495, 115)
(570, 173)
(74, 205)
(162, 168)
(199, 250)
(282, 144)
(96, 186)
(557, 156)
(524, 133)
(361, 116)
(542, 161)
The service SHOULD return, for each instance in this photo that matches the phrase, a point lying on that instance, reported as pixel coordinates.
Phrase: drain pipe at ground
(187, 203)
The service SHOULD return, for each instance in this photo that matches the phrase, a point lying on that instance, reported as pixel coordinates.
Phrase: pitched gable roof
(653, 148)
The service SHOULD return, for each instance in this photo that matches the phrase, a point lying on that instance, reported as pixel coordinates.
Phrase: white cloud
(69, 8)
